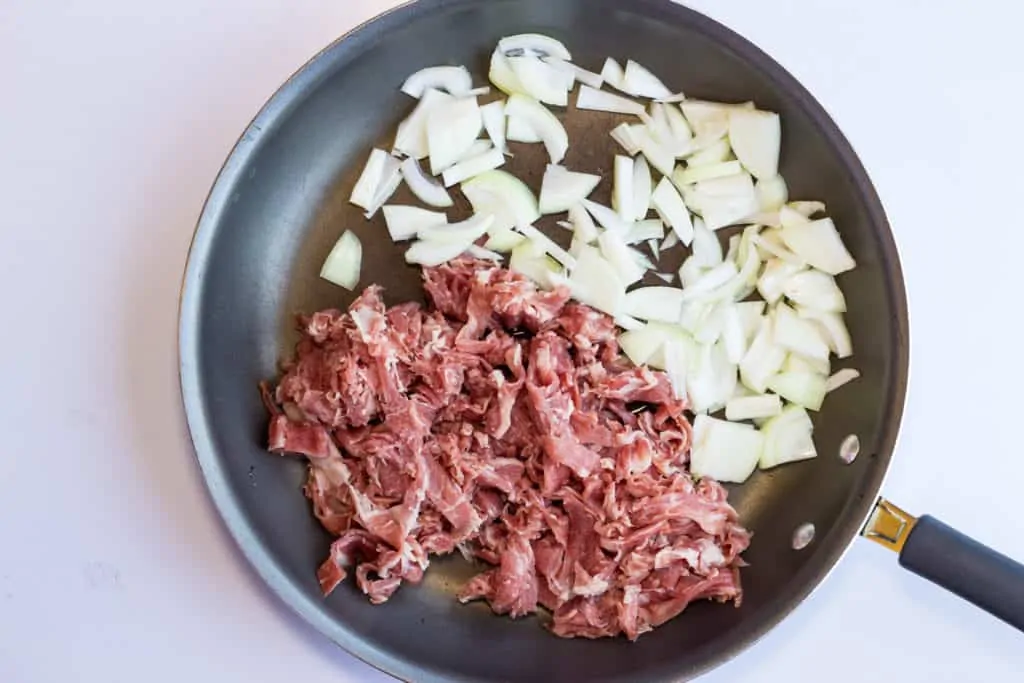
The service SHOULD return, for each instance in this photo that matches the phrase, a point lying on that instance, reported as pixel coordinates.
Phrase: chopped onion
(484, 254)
(607, 218)
(493, 115)
(750, 314)
(502, 75)
(591, 99)
(797, 363)
(426, 189)
(753, 407)
(453, 79)
(534, 44)
(370, 179)
(391, 178)
(452, 128)
(681, 130)
(657, 304)
(546, 124)
(806, 389)
(711, 280)
(772, 193)
(756, 138)
(771, 244)
(733, 334)
(798, 335)
(807, 209)
(725, 452)
(519, 130)
(579, 74)
(787, 438)
(814, 289)
(411, 137)
(613, 74)
(504, 240)
(642, 188)
(502, 194)
(474, 166)
(673, 211)
(841, 378)
(707, 250)
(763, 360)
(620, 256)
(626, 135)
(542, 81)
(670, 241)
(562, 189)
(343, 263)
(819, 244)
(711, 380)
(584, 229)
(642, 82)
(466, 232)
(662, 158)
(547, 245)
(429, 254)
(726, 201)
(834, 329)
(649, 231)
(665, 277)
(653, 243)
(622, 194)
(772, 283)
(596, 282)
(709, 172)
(405, 222)
(529, 259)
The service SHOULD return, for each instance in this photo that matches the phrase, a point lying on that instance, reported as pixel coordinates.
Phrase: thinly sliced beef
(501, 421)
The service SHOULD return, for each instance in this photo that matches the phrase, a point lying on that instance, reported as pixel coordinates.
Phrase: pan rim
(189, 333)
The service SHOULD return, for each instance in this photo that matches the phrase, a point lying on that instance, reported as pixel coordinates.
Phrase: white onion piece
(596, 282)
(370, 179)
(704, 116)
(541, 81)
(649, 231)
(503, 194)
(620, 256)
(452, 128)
(707, 250)
(805, 389)
(671, 240)
(578, 74)
(763, 359)
(622, 193)
(819, 244)
(474, 166)
(493, 115)
(607, 218)
(453, 79)
(709, 172)
(535, 44)
(833, 327)
(711, 152)
(529, 260)
(807, 209)
(817, 290)
(641, 259)
(726, 452)
(643, 188)
(726, 201)
(787, 438)
(711, 280)
(427, 253)
(484, 254)
(659, 126)
(426, 189)
(391, 178)
(756, 138)
(641, 345)
(657, 304)
(411, 137)
(711, 380)
(753, 407)
(584, 228)
(625, 135)
(733, 335)
(750, 314)
(790, 217)
(343, 263)
(519, 130)
(798, 363)
(640, 81)
(628, 322)
(691, 271)
(613, 74)
(502, 75)
(661, 157)
(405, 222)
(504, 240)
(465, 232)
(677, 123)
(562, 189)
(772, 283)
(667, 278)
(591, 99)
(548, 245)
(772, 193)
(673, 211)
(772, 247)
(546, 124)
(798, 335)
(841, 378)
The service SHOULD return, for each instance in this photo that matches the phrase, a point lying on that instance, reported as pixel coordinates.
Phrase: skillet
(280, 203)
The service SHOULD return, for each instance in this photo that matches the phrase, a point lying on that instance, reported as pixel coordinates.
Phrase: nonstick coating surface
(281, 202)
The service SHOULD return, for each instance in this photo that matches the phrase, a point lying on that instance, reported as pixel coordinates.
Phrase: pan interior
(281, 203)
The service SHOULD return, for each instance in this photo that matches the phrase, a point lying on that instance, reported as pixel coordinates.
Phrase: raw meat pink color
(502, 421)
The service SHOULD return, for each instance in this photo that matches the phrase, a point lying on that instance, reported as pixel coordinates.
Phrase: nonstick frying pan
(280, 203)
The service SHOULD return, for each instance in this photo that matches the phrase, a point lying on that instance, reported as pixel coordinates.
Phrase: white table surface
(115, 118)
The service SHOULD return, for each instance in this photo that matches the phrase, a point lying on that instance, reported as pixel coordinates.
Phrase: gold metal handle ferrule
(888, 525)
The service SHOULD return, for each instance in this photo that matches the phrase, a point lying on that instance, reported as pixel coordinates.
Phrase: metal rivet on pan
(803, 536)
(849, 449)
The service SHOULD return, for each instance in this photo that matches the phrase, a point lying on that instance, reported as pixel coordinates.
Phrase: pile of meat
(502, 422)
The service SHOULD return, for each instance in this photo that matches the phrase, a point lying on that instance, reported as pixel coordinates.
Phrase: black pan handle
(949, 559)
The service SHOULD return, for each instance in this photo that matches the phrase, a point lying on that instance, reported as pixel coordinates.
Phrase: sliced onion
(657, 304)
(711, 380)
(579, 74)
(753, 407)
(591, 99)
(834, 329)
(642, 82)
(391, 178)
(474, 166)
(562, 189)
(547, 245)
(484, 254)
(411, 138)
(703, 116)
(787, 438)
(711, 280)
(452, 128)
(709, 172)
(465, 232)
(819, 244)
(671, 240)
(370, 179)
(649, 231)
(541, 81)
(427, 253)
(626, 135)
(546, 124)
(814, 289)
(501, 193)
(797, 334)
(405, 222)
(841, 378)
(426, 189)
(763, 360)
(504, 240)
(622, 193)
(807, 209)
(534, 44)
(502, 75)
(667, 278)
(519, 130)
(805, 389)
(613, 74)
(453, 79)
(772, 193)
(653, 243)
(726, 201)
(772, 283)
(343, 263)
(583, 225)
(661, 157)
(681, 130)
(596, 282)
(797, 363)
(643, 188)
(607, 218)
(673, 211)
(771, 244)
(750, 314)
(726, 452)
(620, 256)
(756, 138)
(711, 152)
(493, 115)
(707, 250)
(529, 259)
(733, 335)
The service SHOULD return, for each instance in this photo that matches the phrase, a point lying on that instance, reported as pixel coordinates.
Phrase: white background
(115, 116)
